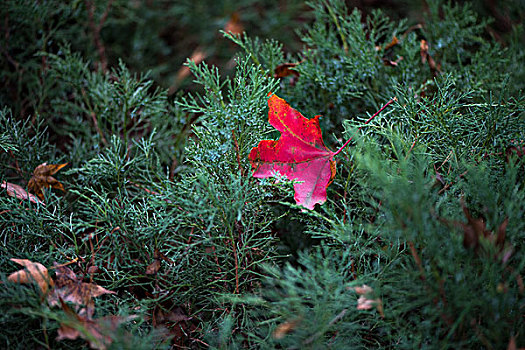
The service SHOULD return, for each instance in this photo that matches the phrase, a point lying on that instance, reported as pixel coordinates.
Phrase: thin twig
(417, 259)
(96, 31)
(414, 27)
(368, 121)
(241, 169)
(444, 316)
(411, 148)
(200, 341)
(65, 264)
(446, 160)
(95, 123)
(450, 184)
(236, 267)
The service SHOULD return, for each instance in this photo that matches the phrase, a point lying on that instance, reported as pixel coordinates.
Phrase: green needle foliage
(419, 245)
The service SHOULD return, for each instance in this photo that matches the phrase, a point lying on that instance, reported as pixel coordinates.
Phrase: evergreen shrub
(419, 244)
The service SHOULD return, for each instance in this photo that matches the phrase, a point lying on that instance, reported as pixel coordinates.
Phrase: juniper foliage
(160, 207)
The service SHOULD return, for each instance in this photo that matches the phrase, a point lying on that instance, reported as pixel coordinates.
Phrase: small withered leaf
(514, 151)
(68, 287)
(425, 57)
(42, 178)
(500, 238)
(475, 230)
(512, 344)
(33, 273)
(198, 55)
(96, 331)
(176, 315)
(363, 290)
(18, 192)
(367, 300)
(234, 24)
(75, 290)
(45, 169)
(423, 50)
(285, 328)
(285, 69)
(153, 268)
(394, 42)
(521, 286)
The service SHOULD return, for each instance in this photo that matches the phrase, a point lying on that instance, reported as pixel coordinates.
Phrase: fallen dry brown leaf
(285, 69)
(33, 273)
(367, 301)
(68, 287)
(153, 268)
(18, 192)
(234, 24)
(42, 178)
(198, 55)
(175, 316)
(95, 331)
(475, 231)
(285, 328)
(393, 43)
(425, 57)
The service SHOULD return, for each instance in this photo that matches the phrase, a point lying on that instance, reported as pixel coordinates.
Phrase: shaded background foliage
(160, 206)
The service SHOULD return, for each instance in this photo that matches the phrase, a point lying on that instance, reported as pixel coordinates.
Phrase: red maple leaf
(299, 154)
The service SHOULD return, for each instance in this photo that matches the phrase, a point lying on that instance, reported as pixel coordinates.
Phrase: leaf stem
(368, 121)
